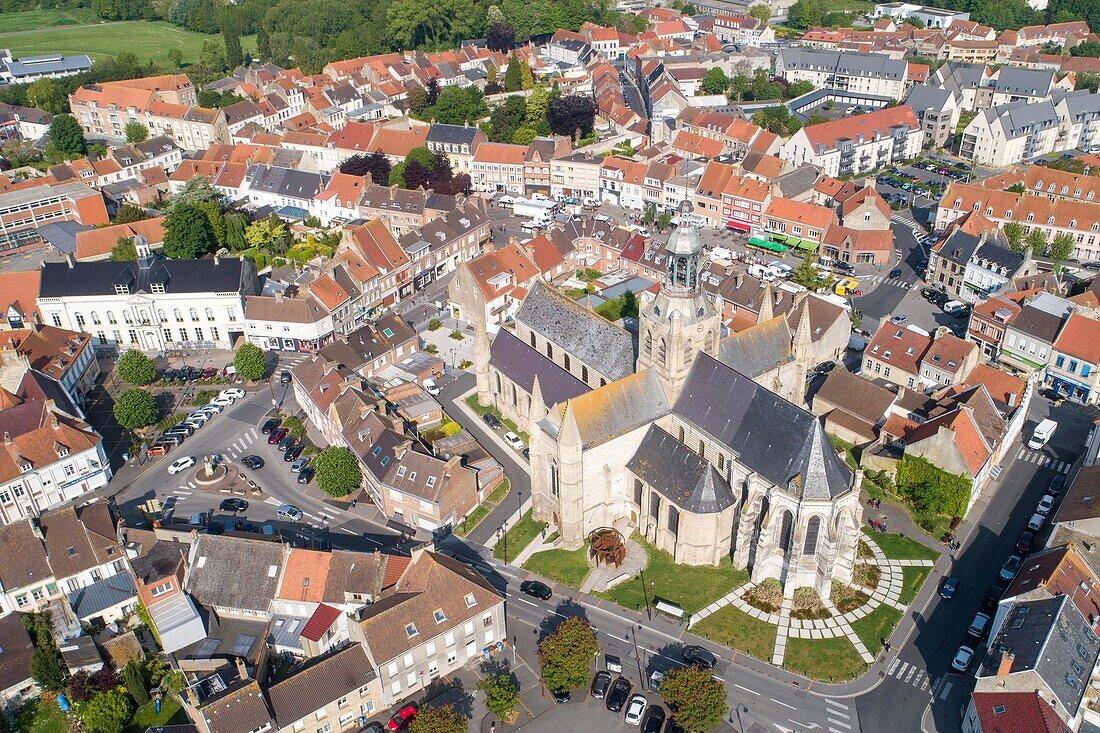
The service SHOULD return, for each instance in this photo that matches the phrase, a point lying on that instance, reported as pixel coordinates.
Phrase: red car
(276, 436)
(403, 717)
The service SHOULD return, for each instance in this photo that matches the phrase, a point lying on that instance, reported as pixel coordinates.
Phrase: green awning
(766, 244)
(803, 244)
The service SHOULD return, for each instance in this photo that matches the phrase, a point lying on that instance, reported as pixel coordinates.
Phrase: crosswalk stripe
(893, 666)
(917, 679)
(1021, 454)
(272, 501)
(834, 730)
(837, 706)
(924, 685)
(834, 721)
(910, 675)
(901, 671)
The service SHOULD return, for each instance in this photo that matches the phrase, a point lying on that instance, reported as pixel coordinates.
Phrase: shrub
(931, 489)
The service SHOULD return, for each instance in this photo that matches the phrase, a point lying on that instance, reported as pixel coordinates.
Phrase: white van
(952, 307)
(431, 387)
(978, 625)
(531, 226)
(1044, 431)
(763, 272)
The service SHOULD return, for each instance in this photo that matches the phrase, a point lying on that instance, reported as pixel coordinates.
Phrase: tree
(107, 712)
(537, 103)
(456, 106)
(397, 175)
(135, 408)
(512, 79)
(338, 472)
(375, 164)
(175, 57)
(1014, 233)
(688, 9)
(799, 88)
(805, 13)
(524, 135)
(235, 224)
(134, 680)
(124, 250)
(698, 699)
(500, 37)
(777, 119)
(526, 78)
(1036, 242)
(1090, 49)
(1060, 250)
(47, 95)
(136, 368)
(501, 694)
(47, 666)
(441, 719)
(250, 362)
(67, 137)
(715, 81)
(128, 213)
(762, 13)
(270, 233)
(808, 276)
(930, 488)
(136, 132)
(915, 22)
(565, 656)
(572, 116)
(231, 33)
(188, 233)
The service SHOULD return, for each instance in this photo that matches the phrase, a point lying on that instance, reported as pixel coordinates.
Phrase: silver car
(289, 511)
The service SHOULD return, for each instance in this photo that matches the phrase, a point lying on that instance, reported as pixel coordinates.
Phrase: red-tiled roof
(320, 622)
(1080, 338)
(1016, 712)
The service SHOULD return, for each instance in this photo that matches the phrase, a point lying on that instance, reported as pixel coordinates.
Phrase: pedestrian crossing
(1042, 459)
(839, 717)
(897, 282)
(912, 675)
(184, 491)
(237, 448)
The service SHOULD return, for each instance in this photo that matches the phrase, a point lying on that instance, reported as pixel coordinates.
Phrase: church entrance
(761, 514)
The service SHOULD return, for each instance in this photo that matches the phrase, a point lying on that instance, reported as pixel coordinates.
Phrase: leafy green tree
(188, 233)
(196, 189)
(47, 95)
(808, 276)
(107, 712)
(338, 472)
(175, 57)
(438, 719)
(235, 224)
(931, 489)
(135, 368)
(565, 656)
(1014, 234)
(135, 408)
(67, 137)
(915, 22)
(136, 132)
(231, 33)
(418, 100)
(805, 13)
(536, 105)
(1036, 242)
(501, 694)
(513, 81)
(799, 88)
(526, 78)
(134, 680)
(250, 362)
(761, 12)
(1090, 49)
(269, 233)
(524, 135)
(47, 667)
(456, 106)
(715, 81)
(124, 250)
(128, 213)
(777, 119)
(397, 175)
(1060, 250)
(699, 700)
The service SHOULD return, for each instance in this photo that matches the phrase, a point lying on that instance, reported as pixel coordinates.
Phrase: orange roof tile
(304, 575)
(1080, 338)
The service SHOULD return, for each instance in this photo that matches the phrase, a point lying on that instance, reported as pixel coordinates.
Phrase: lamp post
(641, 578)
(738, 709)
(637, 656)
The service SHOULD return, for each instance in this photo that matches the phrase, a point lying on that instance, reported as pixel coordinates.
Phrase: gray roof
(1029, 82)
(687, 480)
(233, 572)
(924, 97)
(321, 681)
(102, 594)
(222, 275)
(616, 408)
(15, 652)
(62, 234)
(1018, 119)
(451, 134)
(1037, 324)
(585, 334)
(879, 66)
(1082, 104)
(778, 440)
(798, 181)
(29, 67)
(287, 181)
(759, 349)
(958, 76)
(522, 364)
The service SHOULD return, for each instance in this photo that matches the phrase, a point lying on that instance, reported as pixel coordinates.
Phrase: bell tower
(681, 321)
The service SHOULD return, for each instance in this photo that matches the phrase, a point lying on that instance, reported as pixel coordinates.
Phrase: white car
(235, 393)
(223, 401)
(181, 464)
(1036, 522)
(635, 709)
(1045, 505)
(962, 658)
(514, 440)
(210, 407)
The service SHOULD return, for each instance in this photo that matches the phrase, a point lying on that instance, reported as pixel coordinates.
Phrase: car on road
(618, 694)
(1046, 504)
(276, 435)
(699, 656)
(299, 464)
(560, 696)
(654, 719)
(289, 511)
(962, 658)
(403, 717)
(284, 377)
(949, 588)
(253, 462)
(635, 709)
(233, 505)
(270, 426)
(181, 464)
(491, 420)
(513, 440)
(1011, 567)
(600, 683)
(537, 589)
(287, 442)
(235, 393)
(1036, 522)
(899, 319)
(306, 475)
(1057, 485)
(292, 453)
(1023, 544)
(895, 273)
(172, 438)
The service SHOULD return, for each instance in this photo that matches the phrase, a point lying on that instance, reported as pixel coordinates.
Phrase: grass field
(75, 31)
(876, 627)
(740, 631)
(521, 534)
(899, 547)
(828, 660)
(568, 567)
(913, 579)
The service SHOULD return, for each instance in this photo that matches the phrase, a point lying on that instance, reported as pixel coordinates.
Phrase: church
(666, 437)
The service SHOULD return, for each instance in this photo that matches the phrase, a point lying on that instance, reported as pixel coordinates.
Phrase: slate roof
(759, 349)
(773, 437)
(451, 134)
(855, 395)
(241, 709)
(219, 275)
(585, 334)
(924, 97)
(102, 594)
(319, 682)
(687, 480)
(159, 562)
(522, 364)
(233, 572)
(1037, 324)
(15, 652)
(618, 407)
(878, 66)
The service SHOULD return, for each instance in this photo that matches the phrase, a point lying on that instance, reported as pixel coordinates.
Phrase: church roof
(618, 407)
(585, 334)
(687, 480)
(778, 440)
(759, 349)
(522, 364)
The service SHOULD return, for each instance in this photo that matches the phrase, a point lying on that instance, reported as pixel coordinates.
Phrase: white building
(1005, 135)
(287, 324)
(859, 73)
(854, 145)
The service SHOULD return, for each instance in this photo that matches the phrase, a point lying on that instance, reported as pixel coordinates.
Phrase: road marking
(754, 692)
(615, 637)
(345, 529)
(524, 600)
(893, 666)
(946, 689)
(272, 501)
(834, 711)
(1020, 455)
(901, 671)
(924, 685)
(834, 730)
(837, 722)
(368, 539)
(792, 707)
(910, 675)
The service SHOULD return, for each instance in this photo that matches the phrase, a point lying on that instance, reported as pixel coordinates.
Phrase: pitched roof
(1002, 387)
(899, 346)
(20, 290)
(234, 572)
(321, 681)
(79, 539)
(758, 349)
(241, 709)
(855, 395)
(680, 474)
(617, 408)
(214, 275)
(99, 242)
(879, 123)
(304, 575)
(15, 652)
(1012, 712)
(967, 437)
(1080, 338)
(522, 365)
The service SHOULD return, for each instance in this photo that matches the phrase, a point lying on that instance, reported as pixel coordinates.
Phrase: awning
(765, 244)
(802, 244)
(737, 225)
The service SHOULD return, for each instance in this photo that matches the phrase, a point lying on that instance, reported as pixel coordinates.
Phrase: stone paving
(888, 591)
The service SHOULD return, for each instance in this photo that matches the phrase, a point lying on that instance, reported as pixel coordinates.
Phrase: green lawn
(499, 492)
(738, 630)
(899, 547)
(912, 580)
(876, 626)
(568, 567)
(146, 716)
(480, 409)
(692, 587)
(828, 660)
(472, 521)
(41, 717)
(521, 534)
(77, 31)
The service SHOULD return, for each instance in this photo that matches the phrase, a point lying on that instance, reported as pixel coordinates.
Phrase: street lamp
(637, 656)
(738, 709)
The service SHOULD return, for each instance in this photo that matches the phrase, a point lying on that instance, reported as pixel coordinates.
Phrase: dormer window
(1072, 223)
(1050, 220)
(410, 630)
(470, 600)
(25, 467)
(62, 451)
(122, 289)
(156, 288)
(440, 617)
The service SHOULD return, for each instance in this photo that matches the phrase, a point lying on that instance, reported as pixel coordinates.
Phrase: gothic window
(654, 505)
(533, 340)
(721, 461)
(638, 492)
(549, 351)
(689, 349)
(649, 343)
(554, 479)
(566, 360)
(515, 398)
(584, 374)
(673, 520)
(499, 390)
(702, 449)
(785, 531)
(662, 353)
(812, 529)
(681, 433)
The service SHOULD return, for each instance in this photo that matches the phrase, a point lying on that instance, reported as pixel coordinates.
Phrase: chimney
(738, 279)
(242, 668)
(7, 438)
(278, 296)
(776, 297)
(1005, 666)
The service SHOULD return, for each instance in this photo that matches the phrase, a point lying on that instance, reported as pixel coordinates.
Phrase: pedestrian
(493, 727)
(886, 645)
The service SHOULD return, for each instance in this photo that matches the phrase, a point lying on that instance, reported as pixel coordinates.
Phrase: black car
(1057, 484)
(948, 588)
(292, 453)
(699, 656)
(270, 425)
(673, 727)
(844, 267)
(536, 589)
(1023, 544)
(253, 462)
(618, 694)
(491, 420)
(560, 696)
(305, 475)
(233, 505)
(600, 683)
(896, 272)
(286, 442)
(825, 367)
(284, 377)
(374, 728)
(653, 719)
(993, 595)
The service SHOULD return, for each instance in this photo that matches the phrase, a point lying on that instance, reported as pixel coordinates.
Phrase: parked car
(491, 420)
(993, 595)
(284, 377)
(536, 589)
(618, 694)
(213, 408)
(635, 709)
(962, 658)
(514, 440)
(949, 588)
(172, 438)
(299, 464)
(223, 401)
(181, 464)
(306, 475)
(979, 625)
(286, 442)
(270, 425)
(235, 393)
(560, 696)
(276, 435)
(292, 453)
(198, 416)
(403, 717)
(289, 511)
(1046, 504)
(600, 683)
(1036, 522)
(180, 428)
(1057, 485)
(1011, 567)
(1023, 544)
(158, 449)
(899, 319)
(253, 462)
(654, 719)
(699, 656)
(233, 505)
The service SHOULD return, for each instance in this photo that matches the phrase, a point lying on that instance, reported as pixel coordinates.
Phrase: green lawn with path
(568, 567)
(912, 580)
(692, 587)
(518, 536)
(39, 716)
(828, 660)
(876, 626)
(467, 524)
(899, 547)
(736, 629)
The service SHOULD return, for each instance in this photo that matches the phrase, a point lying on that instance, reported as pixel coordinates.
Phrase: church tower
(681, 321)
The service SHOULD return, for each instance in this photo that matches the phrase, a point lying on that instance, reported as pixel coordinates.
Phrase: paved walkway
(888, 592)
(605, 576)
